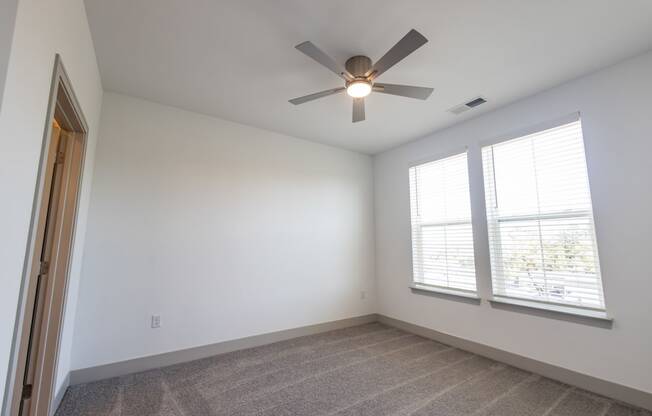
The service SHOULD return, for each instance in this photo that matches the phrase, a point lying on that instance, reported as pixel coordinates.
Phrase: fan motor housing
(358, 65)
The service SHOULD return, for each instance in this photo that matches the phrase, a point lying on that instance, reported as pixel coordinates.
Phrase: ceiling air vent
(459, 109)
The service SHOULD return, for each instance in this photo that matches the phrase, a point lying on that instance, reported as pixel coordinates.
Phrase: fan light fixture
(358, 89)
(359, 74)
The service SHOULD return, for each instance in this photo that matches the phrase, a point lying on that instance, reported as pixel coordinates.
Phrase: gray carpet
(369, 370)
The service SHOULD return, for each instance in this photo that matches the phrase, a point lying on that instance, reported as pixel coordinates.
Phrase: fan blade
(318, 55)
(358, 109)
(410, 43)
(420, 93)
(320, 94)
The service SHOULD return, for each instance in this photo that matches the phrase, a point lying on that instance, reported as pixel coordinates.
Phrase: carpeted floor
(369, 370)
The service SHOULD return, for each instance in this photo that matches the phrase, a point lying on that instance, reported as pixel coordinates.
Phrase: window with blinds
(540, 219)
(442, 238)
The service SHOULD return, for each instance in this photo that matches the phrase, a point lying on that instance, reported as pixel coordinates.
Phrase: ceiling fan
(360, 75)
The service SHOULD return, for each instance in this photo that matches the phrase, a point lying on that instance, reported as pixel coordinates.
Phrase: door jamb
(62, 102)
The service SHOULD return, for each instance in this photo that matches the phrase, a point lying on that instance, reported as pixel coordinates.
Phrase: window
(540, 219)
(442, 239)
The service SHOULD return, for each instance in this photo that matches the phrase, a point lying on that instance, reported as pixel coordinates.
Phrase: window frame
(560, 307)
(480, 230)
(444, 290)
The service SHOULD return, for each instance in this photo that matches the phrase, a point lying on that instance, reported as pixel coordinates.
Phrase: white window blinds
(540, 219)
(442, 239)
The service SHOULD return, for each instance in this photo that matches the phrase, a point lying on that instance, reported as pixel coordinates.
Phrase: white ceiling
(236, 59)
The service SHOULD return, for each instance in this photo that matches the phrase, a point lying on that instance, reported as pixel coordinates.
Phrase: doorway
(43, 296)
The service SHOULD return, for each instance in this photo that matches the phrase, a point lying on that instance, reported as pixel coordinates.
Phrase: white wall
(7, 19)
(617, 122)
(224, 230)
(42, 28)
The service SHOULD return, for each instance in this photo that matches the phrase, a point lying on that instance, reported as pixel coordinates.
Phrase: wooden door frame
(64, 107)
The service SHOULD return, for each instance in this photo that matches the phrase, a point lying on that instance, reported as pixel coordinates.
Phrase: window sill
(566, 310)
(444, 291)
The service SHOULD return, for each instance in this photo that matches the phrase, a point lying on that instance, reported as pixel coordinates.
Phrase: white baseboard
(593, 384)
(58, 395)
(86, 375)
(606, 388)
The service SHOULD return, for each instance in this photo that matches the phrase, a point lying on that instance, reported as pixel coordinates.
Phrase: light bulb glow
(358, 89)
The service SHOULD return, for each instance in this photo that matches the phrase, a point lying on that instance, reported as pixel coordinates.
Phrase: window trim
(599, 314)
(444, 290)
(525, 302)
(420, 286)
(479, 223)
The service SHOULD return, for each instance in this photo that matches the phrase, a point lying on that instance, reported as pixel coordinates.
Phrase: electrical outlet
(156, 321)
(363, 295)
